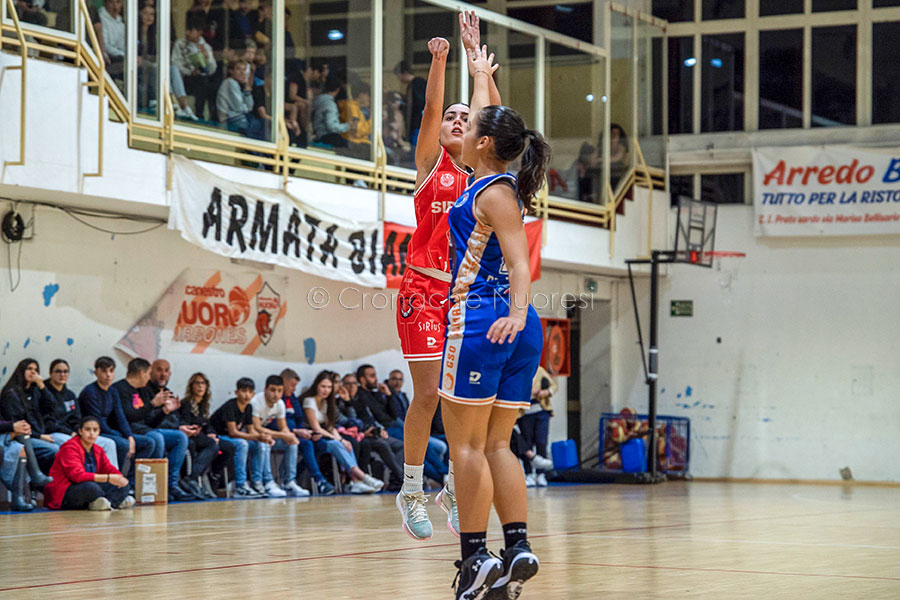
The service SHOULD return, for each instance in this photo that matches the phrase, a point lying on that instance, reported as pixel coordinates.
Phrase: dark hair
(245, 383)
(274, 380)
(203, 405)
(361, 370)
(331, 412)
(363, 88)
(446, 108)
(56, 362)
(290, 374)
(196, 20)
(104, 362)
(85, 420)
(508, 129)
(622, 135)
(395, 371)
(333, 82)
(402, 67)
(17, 381)
(137, 365)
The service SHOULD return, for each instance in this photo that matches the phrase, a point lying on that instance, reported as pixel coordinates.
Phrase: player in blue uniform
(494, 339)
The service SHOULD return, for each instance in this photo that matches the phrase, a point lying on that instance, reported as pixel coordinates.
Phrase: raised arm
(428, 147)
(481, 68)
(470, 32)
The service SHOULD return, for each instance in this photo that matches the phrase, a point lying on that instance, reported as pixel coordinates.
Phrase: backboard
(695, 232)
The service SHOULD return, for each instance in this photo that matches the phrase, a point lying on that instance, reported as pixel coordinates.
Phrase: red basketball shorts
(422, 316)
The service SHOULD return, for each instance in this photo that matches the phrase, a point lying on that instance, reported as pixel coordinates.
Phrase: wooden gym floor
(674, 540)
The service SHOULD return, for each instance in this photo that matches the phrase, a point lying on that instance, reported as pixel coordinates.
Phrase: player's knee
(426, 401)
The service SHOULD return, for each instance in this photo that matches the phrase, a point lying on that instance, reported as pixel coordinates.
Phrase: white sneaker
(447, 502)
(186, 113)
(128, 502)
(257, 487)
(373, 483)
(100, 503)
(273, 491)
(295, 490)
(541, 480)
(529, 480)
(542, 464)
(359, 487)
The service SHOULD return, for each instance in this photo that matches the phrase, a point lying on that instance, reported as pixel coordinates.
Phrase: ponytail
(534, 167)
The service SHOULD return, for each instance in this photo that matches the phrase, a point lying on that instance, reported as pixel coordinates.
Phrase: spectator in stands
(588, 168)
(233, 423)
(262, 24)
(62, 415)
(398, 398)
(235, 99)
(241, 24)
(618, 154)
(269, 417)
(193, 421)
(320, 411)
(356, 110)
(18, 463)
(415, 100)
(101, 400)
(194, 59)
(146, 61)
(377, 440)
(31, 11)
(214, 21)
(535, 427)
(146, 413)
(394, 129)
(346, 392)
(83, 476)
(377, 395)
(113, 31)
(327, 126)
(21, 400)
(261, 123)
(298, 96)
(297, 425)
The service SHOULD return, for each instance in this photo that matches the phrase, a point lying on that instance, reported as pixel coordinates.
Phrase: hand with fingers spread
(481, 62)
(439, 47)
(470, 30)
(505, 329)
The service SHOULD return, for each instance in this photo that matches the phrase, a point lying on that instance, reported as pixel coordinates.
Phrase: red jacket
(68, 468)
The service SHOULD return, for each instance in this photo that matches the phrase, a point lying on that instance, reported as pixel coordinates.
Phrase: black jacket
(14, 406)
(186, 417)
(378, 404)
(138, 407)
(168, 421)
(57, 416)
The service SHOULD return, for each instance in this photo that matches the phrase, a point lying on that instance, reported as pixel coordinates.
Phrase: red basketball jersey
(429, 248)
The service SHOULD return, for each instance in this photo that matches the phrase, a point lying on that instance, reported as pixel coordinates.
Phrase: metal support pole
(653, 371)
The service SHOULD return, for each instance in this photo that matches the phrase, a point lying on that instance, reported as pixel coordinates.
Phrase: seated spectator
(62, 415)
(146, 61)
(357, 109)
(346, 392)
(297, 425)
(618, 154)
(113, 31)
(100, 400)
(214, 25)
(235, 99)
(435, 466)
(83, 477)
(327, 126)
(193, 421)
(414, 103)
(589, 172)
(146, 413)
(233, 423)
(194, 59)
(21, 399)
(376, 439)
(377, 395)
(320, 411)
(262, 24)
(31, 11)
(241, 23)
(269, 417)
(19, 461)
(535, 427)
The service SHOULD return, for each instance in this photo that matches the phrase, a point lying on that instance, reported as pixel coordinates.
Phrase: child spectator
(193, 421)
(321, 413)
(327, 126)
(233, 422)
(269, 417)
(83, 477)
(235, 99)
(193, 57)
(62, 415)
(297, 425)
(356, 110)
(101, 400)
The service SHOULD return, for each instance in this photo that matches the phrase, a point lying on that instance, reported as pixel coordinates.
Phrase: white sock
(450, 485)
(412, 478)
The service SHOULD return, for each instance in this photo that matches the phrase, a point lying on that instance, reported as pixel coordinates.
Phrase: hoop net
(727, 264)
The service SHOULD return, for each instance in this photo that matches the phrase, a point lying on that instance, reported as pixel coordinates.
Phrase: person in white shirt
(194, 59)
(113, 28)
(269, 417)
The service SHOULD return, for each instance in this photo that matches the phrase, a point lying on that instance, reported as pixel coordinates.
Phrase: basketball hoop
(727, 263)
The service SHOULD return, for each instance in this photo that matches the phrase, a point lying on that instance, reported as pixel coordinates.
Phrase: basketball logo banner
(211, 311)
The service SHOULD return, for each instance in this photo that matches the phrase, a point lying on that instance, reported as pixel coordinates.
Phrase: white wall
(806, 377)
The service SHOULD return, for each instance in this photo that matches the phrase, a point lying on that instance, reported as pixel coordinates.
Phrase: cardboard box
(152, 480)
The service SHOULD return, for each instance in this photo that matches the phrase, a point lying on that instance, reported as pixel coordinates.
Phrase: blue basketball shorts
(478, 372)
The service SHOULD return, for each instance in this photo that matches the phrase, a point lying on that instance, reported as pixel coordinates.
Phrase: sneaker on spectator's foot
(176, 494)
(447, 502)
(476, 575)
(374, 483)
(519, 565)
(529, 480)
(273, 491)
(541, 480)
(245, 491)
(295, 490)
(258, 487)
(192, 487)
(324, 487)
(128, 502)
(360, 487)
(414, 516)
(186, 113)
(542, 464)
(100, 503)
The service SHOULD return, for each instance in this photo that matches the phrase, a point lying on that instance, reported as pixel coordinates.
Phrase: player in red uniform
(422, 300)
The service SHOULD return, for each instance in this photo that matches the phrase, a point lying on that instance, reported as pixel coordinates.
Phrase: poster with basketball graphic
(213, 311)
